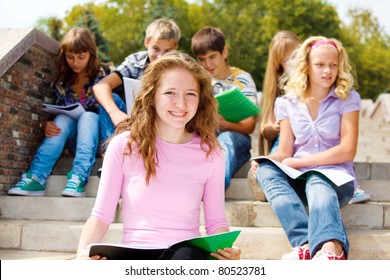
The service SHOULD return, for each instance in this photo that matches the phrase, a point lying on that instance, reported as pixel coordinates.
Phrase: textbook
(210, 243)
(338, 177)
(74, 111)
(234, 106)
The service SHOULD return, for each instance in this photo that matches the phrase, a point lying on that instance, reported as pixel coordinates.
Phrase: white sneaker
(323, 255)
(297, 253)
(359, 196)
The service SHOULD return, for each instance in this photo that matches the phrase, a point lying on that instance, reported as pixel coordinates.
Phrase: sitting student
(319, 128)
(209, 46)
(162, 35)
(79, 69)
(282, 45)
(164, 162)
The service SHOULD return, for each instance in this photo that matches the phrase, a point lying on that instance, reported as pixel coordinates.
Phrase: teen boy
(209, 46)
(162, 35)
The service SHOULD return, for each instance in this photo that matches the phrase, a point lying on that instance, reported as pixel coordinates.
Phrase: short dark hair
(208, 39)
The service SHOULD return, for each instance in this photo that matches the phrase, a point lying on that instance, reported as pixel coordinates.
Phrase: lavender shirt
(312, 137)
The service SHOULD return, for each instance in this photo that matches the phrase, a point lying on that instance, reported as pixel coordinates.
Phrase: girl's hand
(93, 258)
(254, 165)
(51, 129)
(233, 253)
(276, 126)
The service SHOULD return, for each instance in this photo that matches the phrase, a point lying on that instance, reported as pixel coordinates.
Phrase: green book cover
(212, 243)
(234, 106)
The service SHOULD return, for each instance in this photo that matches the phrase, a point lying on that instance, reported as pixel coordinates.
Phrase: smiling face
(323, 66)
(176, 101)
(78, 61)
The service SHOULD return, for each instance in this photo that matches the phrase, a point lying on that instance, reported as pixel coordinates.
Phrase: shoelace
(24, 182)
(328, 255)
(73, 183)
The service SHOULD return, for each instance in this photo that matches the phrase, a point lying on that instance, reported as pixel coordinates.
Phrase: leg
(184, 251)
(325, 222)
(86, 144)
(51, 148)
(285, 202)
(237, 148)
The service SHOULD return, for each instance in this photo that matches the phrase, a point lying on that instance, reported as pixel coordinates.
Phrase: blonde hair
(141, 122)
(164, 29)
(297, 78)
(282, 43)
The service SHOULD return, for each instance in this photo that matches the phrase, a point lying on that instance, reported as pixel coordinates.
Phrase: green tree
(88, 20)
(368, 47)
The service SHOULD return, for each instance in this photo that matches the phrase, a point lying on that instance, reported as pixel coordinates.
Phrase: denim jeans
(237, 148)
(106, 126)
(289, 198)
(81, 136)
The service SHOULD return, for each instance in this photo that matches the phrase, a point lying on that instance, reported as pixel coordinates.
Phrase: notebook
(131, 89)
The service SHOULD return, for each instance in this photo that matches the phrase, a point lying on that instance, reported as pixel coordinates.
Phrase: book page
(338, 177)
(74, 111)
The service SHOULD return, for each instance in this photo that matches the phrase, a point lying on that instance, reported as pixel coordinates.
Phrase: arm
(93, 232)
(341, 153)
(285, 148)
(103, 94)
(271, 129)
(246, 126)
(214, 207)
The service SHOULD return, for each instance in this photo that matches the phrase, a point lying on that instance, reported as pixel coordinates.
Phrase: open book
(234, 106)
(338, 177)
(74, 111)
(210, 243)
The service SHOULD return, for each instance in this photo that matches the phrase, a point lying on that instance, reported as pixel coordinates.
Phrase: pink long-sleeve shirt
(168, 209)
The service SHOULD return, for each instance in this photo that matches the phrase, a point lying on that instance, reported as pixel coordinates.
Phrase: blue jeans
(81, 136)
(289, 198)
(107, 128)
(275, 145)
(237, 148)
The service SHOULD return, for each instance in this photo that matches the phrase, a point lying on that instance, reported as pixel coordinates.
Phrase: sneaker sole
(72, 194)
(26, 193)
(359, 199)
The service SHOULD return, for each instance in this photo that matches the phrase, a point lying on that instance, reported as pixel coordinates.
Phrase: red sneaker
(297, 253)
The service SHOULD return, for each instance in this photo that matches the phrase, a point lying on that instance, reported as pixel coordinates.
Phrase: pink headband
(320, 43)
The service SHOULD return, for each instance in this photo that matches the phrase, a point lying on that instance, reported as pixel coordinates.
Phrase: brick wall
(23, 89)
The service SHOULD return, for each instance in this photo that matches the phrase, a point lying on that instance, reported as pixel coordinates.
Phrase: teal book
(210, 243)
(234, 106)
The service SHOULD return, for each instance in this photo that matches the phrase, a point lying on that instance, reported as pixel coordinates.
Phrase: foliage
(249, 27)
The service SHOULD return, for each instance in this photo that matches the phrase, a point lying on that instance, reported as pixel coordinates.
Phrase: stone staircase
(49, 227)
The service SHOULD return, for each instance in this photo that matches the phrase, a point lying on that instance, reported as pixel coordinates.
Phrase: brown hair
(141, 122)
(208, 39)
(77, 40)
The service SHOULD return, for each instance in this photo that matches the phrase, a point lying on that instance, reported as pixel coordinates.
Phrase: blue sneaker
(27, 186)
(75, 186)
(359, 196)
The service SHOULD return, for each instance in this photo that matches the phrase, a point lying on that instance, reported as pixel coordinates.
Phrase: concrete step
(35, 255)
(255, 243)
(369, 215)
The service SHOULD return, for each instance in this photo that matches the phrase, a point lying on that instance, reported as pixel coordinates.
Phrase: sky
(25, 13)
